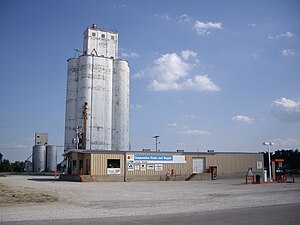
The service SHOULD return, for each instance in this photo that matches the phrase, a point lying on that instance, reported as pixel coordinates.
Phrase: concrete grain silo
(120, 117)
(71, 103)
(97, 101)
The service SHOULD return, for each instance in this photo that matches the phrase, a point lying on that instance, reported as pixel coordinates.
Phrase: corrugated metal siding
(227, 163)
(99, 163)
(234, 163)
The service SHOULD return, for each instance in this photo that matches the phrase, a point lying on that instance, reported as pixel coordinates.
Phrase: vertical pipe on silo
(120, 118)
(71, 103)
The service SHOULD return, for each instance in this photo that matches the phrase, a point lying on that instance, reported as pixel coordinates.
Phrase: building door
(198, 165)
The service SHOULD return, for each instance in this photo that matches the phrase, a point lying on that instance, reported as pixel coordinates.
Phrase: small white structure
(97, 102)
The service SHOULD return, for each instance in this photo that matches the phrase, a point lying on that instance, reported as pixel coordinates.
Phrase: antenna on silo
(94, 26)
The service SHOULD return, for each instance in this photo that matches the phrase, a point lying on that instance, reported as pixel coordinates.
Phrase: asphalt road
(274, 215)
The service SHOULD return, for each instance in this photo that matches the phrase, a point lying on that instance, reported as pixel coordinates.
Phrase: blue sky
(204, 74)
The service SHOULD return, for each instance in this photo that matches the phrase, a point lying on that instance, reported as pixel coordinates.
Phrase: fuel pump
(279, 176)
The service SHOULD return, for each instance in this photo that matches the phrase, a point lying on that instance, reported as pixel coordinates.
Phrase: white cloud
(184, 18)
(253, 25)
(253, 55)
(204, 29)
(120, 6)
(162, 16)
(288, 52)
(189, 116)
(286, 142)
(171, 72)
(195, 132)
(286, 109)
(199, 83)
(186, 54)
(288, 34)
(172, 124)
(245, 119)
(129, 55)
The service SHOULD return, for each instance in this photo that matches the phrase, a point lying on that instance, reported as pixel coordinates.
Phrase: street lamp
(156, 138)
(270, 171)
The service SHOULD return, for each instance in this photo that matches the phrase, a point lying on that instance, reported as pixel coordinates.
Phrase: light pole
(156, 138)
(270, 171)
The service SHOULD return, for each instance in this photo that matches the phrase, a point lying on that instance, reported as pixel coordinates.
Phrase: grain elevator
(97, 98)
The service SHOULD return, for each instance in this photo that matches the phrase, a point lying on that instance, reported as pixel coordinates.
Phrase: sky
(205, 75)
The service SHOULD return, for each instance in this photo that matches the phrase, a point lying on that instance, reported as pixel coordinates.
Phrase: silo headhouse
(97, 99)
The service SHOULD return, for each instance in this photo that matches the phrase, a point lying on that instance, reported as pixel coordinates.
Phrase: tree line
(291, 158)
(6, 166)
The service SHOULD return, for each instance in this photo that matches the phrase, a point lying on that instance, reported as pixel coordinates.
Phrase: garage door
(198, 165)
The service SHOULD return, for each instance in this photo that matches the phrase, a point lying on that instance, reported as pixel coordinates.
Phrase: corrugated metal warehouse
(86, 165)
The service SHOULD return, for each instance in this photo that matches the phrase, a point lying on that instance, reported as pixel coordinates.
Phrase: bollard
(81, 178)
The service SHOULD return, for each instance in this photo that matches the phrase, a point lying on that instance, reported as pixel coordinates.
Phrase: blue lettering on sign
(153, 158)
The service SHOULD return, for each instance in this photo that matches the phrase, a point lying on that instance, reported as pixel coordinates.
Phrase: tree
(5, 166)
(18, 166)
(291, 158)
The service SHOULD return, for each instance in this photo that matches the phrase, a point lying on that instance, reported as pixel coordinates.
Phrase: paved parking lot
(71, 200)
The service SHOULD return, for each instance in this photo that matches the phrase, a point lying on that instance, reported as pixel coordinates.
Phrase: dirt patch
(11, 195)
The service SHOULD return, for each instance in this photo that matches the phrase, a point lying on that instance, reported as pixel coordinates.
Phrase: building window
(113, 163)
(94, 34)
(103, 35)
(112, 37)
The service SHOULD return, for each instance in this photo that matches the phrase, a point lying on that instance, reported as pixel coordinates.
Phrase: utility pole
(270, 163)
(156, 138)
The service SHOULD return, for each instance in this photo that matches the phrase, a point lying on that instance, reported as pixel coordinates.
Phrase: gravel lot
(71, 200)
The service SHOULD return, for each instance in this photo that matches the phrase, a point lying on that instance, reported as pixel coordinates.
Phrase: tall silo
(101, 104)
(94, 101)
(51, 158)
(102, 100)
(39, 158)
(71, 103)
(120, 116)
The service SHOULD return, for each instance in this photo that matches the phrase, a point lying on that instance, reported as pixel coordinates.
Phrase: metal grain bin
(39, 158)
(51, 156)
